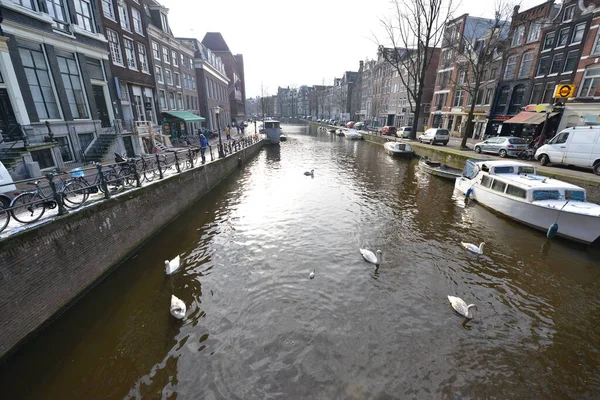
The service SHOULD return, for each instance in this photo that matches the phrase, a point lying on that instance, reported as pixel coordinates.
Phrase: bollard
(177, 163)
(58, 196)
(160, 174)
(103, 182)
(135, 173)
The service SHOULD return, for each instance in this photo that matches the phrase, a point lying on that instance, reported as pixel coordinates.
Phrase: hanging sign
(564, 91)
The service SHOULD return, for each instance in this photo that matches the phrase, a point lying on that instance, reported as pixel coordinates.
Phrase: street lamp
(217, 112)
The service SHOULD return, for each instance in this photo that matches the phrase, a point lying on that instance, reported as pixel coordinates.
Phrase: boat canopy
(271, 124)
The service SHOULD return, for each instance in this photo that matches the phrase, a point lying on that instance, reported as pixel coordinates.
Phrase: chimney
(516, 10)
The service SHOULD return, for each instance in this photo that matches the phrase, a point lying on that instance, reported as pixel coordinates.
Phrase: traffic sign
(564, 91)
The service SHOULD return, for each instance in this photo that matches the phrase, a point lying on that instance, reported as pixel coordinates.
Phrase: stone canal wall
(46, 269)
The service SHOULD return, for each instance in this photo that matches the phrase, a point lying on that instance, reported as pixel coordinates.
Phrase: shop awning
(529, 118)
(185, 115)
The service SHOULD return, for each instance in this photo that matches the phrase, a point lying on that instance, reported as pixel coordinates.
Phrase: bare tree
(477, 50)
(414, 33)
(264, 101)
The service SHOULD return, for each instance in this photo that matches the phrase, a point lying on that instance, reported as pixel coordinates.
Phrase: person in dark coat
(203, 145)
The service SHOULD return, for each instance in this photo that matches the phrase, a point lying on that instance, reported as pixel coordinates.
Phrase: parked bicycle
(4, 217)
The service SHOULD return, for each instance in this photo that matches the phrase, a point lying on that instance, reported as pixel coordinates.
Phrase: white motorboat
(352, 134)
(273, 131)
(400, 149)
(513, 189)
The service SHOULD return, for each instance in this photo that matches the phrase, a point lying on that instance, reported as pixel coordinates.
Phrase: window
(85, 139)
(561, 138)
(479, 97)
(65, 148)
(124, 17)
(544, 66)
(182, 60)
(174, 58)
(510, 67)
(165, 22)
(115, 47)
(172, 101)
(180, 101)
(572, 60)
(459, 97)
(590, 83)
(498, 186)
(143, 57)
(56, 9)
(43, 158)
(159, 74)
(516, 191)
(563, 37)
(67, 64)
(536, 94)
(163, 99)
(548, 93)
(168, 77)
(130, 53)
(176, 79)
(108, 9)
(549, 40)
(516, 102)
(488, 96)
(486, 181)
(124, 91)
(517, 38)
(94, 68)
(525, 67)
(83, 9)
(193, 83)
(576, 195)
(166, 57)
(462, 76)
(38, 78)
(596, 48)
(578, 33)
(534, 32)
(25, 3)
(156, 50)
(556, 63)
(568, 15)
(502, 100)
(137, 21)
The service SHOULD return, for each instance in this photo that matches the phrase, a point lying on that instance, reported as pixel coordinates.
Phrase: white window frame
(166, 55)
(130, 53)
(174, 58)
(108, 4)
(179, 99)
(168, 77)
(159, 74)
(575, 32)
(174, 106)
(80, 7)
(521, 73)
(518, 34)
(534, 27)
(157, 49)
(137, 22)
(177, 79)
(458, 95)
(583, 79)
(143, 57)
(570, 10)
(124, 17)
(162, 95)
(116, 50)
(596, 48)
(511, 69)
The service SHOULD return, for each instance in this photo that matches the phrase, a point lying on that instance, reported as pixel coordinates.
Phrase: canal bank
(47, 269)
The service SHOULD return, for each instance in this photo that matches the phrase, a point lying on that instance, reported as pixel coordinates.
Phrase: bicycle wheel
(4, 217)
(150, 170)
(126, 174)
(27, 207)
(112, 180)
(74, 194)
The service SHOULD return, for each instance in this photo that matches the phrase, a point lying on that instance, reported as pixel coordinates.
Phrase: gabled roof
(215, 42)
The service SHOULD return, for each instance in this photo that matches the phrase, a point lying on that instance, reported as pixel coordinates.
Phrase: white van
(7, 187)
(578, 146)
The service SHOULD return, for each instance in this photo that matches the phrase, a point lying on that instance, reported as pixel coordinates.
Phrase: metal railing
(61, 192)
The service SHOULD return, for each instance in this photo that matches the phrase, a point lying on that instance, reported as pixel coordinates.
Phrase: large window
(94, 68)
(163, 99)
(172, 101)
(165, 22)
(517, 38)
(516, 102)
(549, 40)
(544, 66)
(159, 74)
(488, 96)
(25, 3)
(525, 67)
(534, 32)
(38, 79)
(511, 63)
(43, 158)
(108, 8)
(578, 33)
(85, 19)
(502, 100)
(568, 14)
(166, 55)
(130, 53)
(556, 63)
(459, 97)
(115, 47)
(174, 58)
(590, 86)
(168, 77)
(67, 64)
(156, 50)
(176, 78)
(563, 37)
(65, 148)
(180, 101)
(143, 56)
(548, 92)
(137, 21)
(536, 94)
(56, 9)
(124, 17)
(572, 60)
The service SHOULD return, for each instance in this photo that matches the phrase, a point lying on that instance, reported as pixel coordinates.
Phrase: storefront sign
(499, 117)
(538, 107)
(563, 91)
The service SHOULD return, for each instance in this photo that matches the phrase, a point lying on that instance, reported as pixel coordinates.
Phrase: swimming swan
(372, 258)
(172, 266)
(472, 248)
(177, 307)
(461, 307)
(311, 275)
(311, 173)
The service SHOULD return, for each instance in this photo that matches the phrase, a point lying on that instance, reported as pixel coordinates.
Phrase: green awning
(185, 115)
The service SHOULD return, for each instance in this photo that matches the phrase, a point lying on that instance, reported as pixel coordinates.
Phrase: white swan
(472, 248)
(177, 307)
(372, 258)
(172, 266)
(311, 173)
(461, 307)
(311, 275)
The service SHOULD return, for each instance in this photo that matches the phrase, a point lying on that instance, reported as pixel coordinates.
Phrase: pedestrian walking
(238, 129)
(203, 146)
(228, 132)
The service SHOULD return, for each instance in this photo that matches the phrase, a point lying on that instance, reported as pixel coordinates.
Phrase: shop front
(177, 124)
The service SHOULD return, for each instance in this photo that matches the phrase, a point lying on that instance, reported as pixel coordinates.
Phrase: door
(489, 144)
(101, 106)
(8, 121)
(557, 147)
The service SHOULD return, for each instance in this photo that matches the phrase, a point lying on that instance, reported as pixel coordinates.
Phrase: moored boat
(513, 189)
(273, 131)
(340, 132)
(438, 169)
(400, 149)
(352, 134)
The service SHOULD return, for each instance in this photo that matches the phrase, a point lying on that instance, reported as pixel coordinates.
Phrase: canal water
(258, 328)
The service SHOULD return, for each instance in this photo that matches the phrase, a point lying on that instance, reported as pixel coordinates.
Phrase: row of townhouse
(81, 79)
(545, 48)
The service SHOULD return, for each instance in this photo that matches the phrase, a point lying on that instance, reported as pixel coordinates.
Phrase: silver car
(501, 145)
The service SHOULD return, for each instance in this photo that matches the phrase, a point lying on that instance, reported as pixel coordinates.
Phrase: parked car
(578, 146)
(359, 125)
(388, 130)
(501, 145)
(350, 124)
(435, 135)
(404, 131)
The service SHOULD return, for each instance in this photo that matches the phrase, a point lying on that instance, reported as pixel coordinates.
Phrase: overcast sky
(293, 43)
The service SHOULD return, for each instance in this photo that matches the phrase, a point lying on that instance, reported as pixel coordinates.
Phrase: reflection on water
(258, 327)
